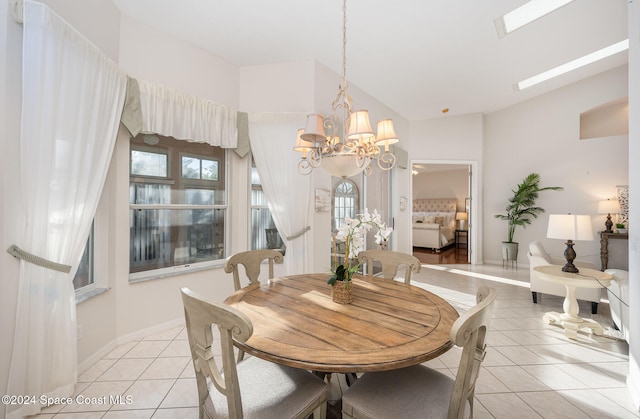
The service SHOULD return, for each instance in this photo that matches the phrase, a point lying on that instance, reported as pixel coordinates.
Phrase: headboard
(433, 205)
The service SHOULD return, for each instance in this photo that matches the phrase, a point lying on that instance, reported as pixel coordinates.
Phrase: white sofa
(618, 293)
(539, 257)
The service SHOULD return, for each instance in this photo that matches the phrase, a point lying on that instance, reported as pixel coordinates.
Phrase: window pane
(209, 169)
(164, 238)
(200, 197)
(149, 193)
(148, 164)
(190, 167)
(264, 234)
(84, 274)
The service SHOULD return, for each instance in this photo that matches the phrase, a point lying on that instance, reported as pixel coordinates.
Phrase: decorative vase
(341, 292)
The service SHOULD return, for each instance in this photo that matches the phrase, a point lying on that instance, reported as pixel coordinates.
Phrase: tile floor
(531, 369)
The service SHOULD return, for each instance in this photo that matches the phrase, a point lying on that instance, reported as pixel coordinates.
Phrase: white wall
(451, 139)
(633, 381)
(445, 183)
(542, 135)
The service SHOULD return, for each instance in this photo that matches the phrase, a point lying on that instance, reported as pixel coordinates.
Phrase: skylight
(572, 65)
(526, 14)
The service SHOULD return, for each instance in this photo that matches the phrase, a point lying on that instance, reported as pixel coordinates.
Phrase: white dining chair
(253, 388)
(391, 262)
(421, 392)
(251, 260)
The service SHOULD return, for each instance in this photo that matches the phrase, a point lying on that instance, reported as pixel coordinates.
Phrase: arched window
(345, 202)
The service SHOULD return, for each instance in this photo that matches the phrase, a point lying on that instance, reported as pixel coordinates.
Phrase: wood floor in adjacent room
(448, 255)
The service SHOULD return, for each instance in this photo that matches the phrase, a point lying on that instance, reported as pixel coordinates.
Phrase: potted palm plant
(520, 210)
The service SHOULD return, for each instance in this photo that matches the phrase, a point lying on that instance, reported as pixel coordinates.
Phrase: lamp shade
(360, 127)
(462, 216)
(386, 133)
(302, 145)
(610, 206)
(314, 131)
(570, 227)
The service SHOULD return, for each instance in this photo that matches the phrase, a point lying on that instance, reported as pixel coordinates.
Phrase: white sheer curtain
(176, 114)
(72, 100)
(272, 138)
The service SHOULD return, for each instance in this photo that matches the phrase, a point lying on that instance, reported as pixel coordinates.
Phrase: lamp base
(570, 255)
(608, 224)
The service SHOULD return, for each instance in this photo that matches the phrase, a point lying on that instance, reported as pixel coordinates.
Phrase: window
(84, 274)
(264, 234)
(345, 202)
(178, 204)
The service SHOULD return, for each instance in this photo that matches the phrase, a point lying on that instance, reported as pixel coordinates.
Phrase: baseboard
(121, 340)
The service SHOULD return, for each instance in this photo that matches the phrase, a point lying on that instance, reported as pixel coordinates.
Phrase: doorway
(443, 212)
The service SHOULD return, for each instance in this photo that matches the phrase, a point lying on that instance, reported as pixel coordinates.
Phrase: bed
(434, 222)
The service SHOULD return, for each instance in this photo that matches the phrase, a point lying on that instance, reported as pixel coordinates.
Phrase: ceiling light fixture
(573, 65)
(526, 14)
(348, 154)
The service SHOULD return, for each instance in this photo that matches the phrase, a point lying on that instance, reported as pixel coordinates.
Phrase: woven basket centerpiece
(341, 292)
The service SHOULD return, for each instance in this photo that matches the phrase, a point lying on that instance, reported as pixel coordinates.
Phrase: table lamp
(570, 227)
(609, 207)
(462, 217)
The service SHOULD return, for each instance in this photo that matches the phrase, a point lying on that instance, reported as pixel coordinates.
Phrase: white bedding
(433, 230)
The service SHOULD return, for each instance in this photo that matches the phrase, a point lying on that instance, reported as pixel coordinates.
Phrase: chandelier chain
(344, 43)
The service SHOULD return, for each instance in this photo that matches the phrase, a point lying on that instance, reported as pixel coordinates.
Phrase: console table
(604, 246)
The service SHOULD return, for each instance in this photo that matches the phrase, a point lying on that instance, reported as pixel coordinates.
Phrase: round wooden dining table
(389, 324)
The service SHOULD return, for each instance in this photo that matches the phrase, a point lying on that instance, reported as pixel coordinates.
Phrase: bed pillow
(430, 219)
(439, 220)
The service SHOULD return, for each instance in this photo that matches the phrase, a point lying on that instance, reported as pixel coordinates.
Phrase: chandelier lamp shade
(343, 143)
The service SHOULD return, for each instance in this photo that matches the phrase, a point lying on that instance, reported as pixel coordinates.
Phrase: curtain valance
(184, 117)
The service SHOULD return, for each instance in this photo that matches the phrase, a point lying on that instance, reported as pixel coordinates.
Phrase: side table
(569, 320)
(462, 240)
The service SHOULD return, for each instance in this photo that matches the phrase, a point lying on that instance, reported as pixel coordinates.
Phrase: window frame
(356, 201)
(187, 183)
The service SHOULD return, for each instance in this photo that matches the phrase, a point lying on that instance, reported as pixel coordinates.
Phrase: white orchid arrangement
(352, 232)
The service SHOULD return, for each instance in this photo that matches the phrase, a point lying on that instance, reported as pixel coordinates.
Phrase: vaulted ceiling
(416, 56)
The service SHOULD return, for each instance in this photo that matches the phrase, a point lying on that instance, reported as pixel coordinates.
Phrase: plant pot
(342, 292)
(509, 251)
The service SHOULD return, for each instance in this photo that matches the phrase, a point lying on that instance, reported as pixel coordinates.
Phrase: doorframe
(475, 231)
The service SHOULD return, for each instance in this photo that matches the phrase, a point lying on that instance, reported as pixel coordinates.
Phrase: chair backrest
(470, 331)
(390, 261)
(251, 261)
(200, 314)
(537, 254)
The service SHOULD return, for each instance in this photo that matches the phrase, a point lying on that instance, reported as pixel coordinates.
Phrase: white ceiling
(416, 56)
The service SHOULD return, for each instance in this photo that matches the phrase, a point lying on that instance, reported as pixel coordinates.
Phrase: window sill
(174, 271)
(88, 294)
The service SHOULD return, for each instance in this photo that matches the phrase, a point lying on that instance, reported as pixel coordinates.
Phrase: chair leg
(594, 308)
(534, 295)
